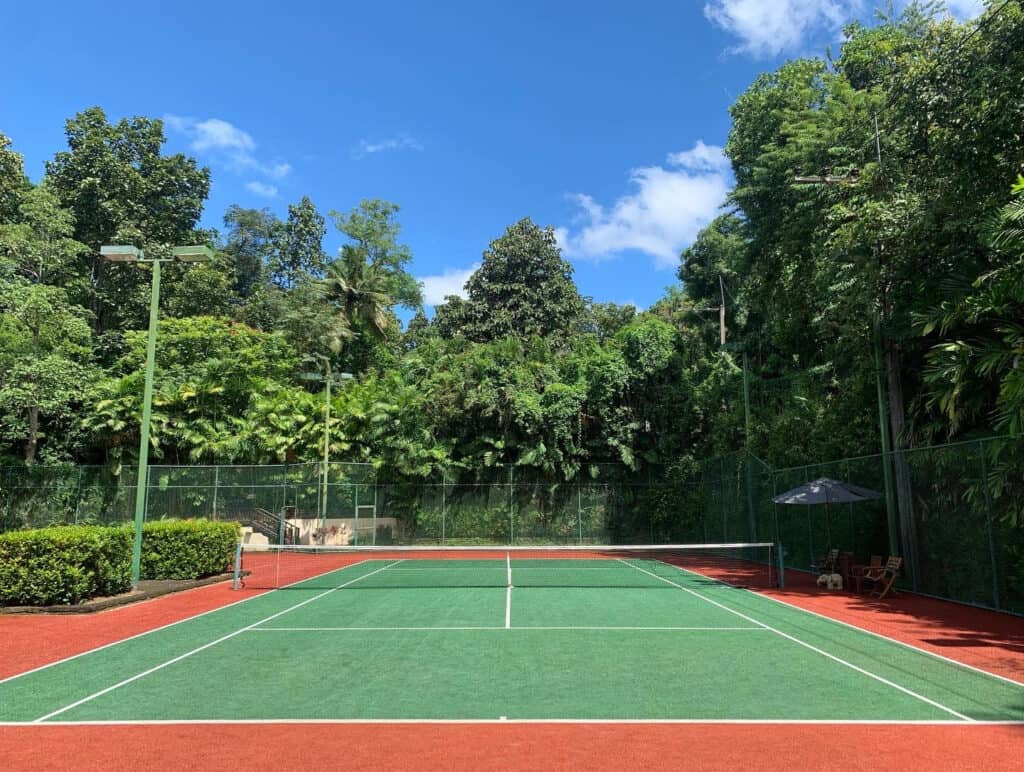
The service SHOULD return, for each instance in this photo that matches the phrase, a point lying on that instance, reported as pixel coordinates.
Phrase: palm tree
(361, 291)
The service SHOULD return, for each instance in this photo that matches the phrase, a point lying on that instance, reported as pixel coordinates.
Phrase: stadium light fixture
(121, 254)
(193, 254)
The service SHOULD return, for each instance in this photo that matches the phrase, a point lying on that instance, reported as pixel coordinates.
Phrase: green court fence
(957, 519)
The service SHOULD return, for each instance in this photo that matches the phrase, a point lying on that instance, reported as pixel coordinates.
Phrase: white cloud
(399, 142)
(450, 282)
(213, 133)
(771, 27)
(227, 142)
(705, 158)
(261, 189)
(670, 205)
(965, 9)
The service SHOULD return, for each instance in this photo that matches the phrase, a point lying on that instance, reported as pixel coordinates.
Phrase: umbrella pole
(828, 525)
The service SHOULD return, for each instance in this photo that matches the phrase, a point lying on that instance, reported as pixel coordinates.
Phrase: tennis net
(262, 567)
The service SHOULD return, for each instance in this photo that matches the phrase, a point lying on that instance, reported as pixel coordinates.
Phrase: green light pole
(328, 378)
(130, 254)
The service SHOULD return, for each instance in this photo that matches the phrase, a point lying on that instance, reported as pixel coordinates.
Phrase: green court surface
(595, 639)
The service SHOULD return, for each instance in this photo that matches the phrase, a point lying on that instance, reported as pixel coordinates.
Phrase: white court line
(172, 624)
(421, 630)
(508, 592)
(205, 646)
(886, 638)
(813, 648)
(385, 721)
(478, 569)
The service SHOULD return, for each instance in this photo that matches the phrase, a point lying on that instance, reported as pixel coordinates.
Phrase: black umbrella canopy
(825, 490)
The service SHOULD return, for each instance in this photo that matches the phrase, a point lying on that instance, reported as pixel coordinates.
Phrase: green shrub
(68, 564)
(63, 565)
(187, 549)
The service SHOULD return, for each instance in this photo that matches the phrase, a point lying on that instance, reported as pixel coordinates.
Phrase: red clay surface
(31, 640)
(985, 639)
(991, 641)
(512, 747)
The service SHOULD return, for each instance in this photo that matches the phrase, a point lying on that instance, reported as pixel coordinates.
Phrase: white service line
(806, 645)
(205, 646)
(483, 628)
(175, 622)
(342, 721)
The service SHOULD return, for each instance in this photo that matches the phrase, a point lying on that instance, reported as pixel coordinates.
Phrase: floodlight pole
(141, 484)
(327, 440)
(130, 254)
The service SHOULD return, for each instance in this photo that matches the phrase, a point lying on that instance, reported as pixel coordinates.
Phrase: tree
(12, 178)
(45, 356)
(298, 246)
(361, 292)
(250, 246)
(522, 288)
(208, 372)
(121, 190)
(604, 320)
(37, 242)
(373, 231)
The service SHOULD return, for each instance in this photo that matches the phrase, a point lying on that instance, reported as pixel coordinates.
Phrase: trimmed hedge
(187, 549)
(68, 564)
(53, 566)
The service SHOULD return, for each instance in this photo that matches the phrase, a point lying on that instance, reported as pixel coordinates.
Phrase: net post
(236, 578)
(781, 565)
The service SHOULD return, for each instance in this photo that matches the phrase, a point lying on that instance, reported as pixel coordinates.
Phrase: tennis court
(507, 635)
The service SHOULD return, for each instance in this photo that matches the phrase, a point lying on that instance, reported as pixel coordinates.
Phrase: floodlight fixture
(124, 253)
(196, 253)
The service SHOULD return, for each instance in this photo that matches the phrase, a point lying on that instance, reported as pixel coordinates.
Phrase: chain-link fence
(956, 514)
(353, 504)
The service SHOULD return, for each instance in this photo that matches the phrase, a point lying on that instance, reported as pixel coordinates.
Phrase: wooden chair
(884, 577)
(828, 564)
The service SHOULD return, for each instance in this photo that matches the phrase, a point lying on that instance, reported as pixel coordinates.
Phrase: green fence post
(78, 494)
(444, 513)
(216, 486)
(988, 525)
(511, 510)
(579, 512)
(355, 503)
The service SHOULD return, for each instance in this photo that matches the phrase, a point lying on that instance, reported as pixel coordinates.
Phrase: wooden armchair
(883, 577)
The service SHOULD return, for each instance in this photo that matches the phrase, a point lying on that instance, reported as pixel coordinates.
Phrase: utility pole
(722, 335)
(876, 345)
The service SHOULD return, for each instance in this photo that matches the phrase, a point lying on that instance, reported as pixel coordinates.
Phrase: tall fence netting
(958, 521)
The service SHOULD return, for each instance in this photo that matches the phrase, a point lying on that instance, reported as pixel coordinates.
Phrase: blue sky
(603, 119)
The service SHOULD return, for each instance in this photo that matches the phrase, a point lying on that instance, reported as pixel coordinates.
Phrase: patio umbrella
(826, 491)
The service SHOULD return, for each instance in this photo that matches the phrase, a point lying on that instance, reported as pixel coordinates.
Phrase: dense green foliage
(911, 237)
(187, 549)
(54, 566)
(69, 564)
